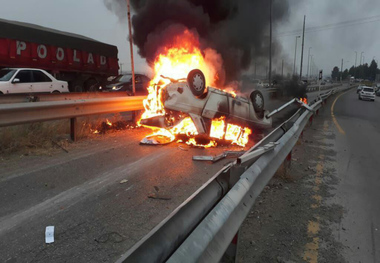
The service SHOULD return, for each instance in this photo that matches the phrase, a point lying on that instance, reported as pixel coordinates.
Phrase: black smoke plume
(237, 29)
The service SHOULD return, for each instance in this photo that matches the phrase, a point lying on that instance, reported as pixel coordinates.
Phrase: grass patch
(41, 137)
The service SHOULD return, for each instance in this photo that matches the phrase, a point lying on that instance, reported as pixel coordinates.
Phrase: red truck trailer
(81, 61)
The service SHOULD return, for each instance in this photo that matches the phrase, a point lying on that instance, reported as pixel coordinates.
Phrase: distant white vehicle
(29, 80)
(367, 93)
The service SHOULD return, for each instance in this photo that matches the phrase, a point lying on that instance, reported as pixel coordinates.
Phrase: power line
(332, 26)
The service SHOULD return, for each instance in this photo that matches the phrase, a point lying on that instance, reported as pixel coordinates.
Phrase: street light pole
(270, 43)
(311, 66)
(282, 69)
(295, 56)
(308, 63)
(131, 48)
(303, 44)
(361, 58)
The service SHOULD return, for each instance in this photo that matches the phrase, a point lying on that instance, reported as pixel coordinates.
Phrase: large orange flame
(175, 62)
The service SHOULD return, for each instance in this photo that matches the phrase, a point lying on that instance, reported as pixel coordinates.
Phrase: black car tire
(91, 85)
(257, 99)
(76, 86)
(197, 82)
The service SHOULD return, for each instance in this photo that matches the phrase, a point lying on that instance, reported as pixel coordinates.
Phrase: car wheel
(56, 91)
(1, 93)
(197, 82)
(257, 99)
(91, 85)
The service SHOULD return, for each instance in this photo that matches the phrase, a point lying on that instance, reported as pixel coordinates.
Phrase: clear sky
(91, 18)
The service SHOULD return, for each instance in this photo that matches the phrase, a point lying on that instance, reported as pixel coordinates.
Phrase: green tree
(352, 71)
(372, 70)
(345, 74)
(335, 74)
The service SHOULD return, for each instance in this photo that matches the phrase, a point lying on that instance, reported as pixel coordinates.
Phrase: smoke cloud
(238, 30)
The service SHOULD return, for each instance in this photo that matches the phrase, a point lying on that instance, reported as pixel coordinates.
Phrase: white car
(28, 80)
(367, 93)
(204, 104)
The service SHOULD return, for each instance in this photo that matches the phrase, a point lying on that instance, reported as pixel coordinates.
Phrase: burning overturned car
(189, 111)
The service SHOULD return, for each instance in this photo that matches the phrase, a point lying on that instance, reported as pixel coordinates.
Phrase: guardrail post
(311, 120)
(231, 252)
(73, 128)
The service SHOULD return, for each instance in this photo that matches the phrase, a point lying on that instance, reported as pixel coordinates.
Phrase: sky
(328, 47)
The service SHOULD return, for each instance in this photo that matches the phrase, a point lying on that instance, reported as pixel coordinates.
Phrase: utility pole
(341, 72)
(295, 57)
(131, 47)
(282, 69)
(311, 65)
(308, 63)
(303, 44)
(361, 54)
(356, 58)
(270, 43)
(121, 68)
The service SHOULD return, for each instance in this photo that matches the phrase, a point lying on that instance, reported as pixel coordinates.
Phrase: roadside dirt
(290, 221)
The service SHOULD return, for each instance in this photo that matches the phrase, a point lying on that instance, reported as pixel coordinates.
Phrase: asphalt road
(357, 131)
(325, 207)
(83, 193)
(97, 194)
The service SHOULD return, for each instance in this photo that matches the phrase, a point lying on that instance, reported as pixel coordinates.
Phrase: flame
(193, 142)
(108, 122)
(175, 62)
(237, 135)
(304, 100)
(217, 128)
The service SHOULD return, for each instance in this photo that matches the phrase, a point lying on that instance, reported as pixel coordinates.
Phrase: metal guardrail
(39, 97)
(21, 113)
(201, 228)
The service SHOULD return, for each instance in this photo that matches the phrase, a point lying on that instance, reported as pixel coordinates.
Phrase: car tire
(257, 99)
(56, 91)
(91, 85)
(197, 82)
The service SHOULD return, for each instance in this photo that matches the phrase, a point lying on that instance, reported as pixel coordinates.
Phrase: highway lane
(96, 217)
(358, 144)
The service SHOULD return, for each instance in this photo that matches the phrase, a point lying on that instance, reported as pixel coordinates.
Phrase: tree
(372, 70)
(352, 71)
(335, 74)
(345, 74)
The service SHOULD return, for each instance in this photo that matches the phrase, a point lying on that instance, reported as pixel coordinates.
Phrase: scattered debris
(49, 234)
(159, 197)
(123, 181)
(60, 146)
(155, 140)
(183, 149)
(218, 157)
(112, 237)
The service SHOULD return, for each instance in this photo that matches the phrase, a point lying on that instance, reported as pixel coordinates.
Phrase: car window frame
(20, 82)
(40, 71)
